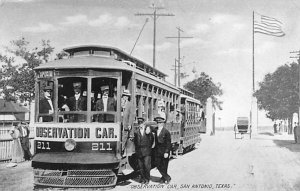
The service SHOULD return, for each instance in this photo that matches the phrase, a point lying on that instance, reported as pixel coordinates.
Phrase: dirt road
(220, 162)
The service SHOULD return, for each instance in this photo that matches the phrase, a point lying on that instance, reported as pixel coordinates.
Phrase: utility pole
(155, 16)
(298, 59)
(175, 69)
(179, 62)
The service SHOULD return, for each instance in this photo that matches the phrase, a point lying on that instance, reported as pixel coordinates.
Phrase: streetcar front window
(104, 99)
(46, 106)
(72, 99)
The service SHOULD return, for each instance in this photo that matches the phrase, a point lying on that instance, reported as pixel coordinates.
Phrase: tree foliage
(278, 93)
(19, 79)
(203, 88)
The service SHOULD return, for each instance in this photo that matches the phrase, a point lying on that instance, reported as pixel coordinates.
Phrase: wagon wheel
(235, 133)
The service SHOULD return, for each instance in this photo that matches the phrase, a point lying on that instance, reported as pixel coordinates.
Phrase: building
(11, 111)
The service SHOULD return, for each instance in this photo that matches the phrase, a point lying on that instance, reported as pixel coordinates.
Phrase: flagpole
(253, 86)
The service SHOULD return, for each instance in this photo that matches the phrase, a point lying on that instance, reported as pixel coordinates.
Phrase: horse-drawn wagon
(242, 127)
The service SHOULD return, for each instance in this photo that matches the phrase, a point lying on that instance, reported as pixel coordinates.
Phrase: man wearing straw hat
(162, 148)
(128, 115)
(105, 103)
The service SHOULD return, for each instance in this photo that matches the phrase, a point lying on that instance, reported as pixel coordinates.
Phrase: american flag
(268, 25)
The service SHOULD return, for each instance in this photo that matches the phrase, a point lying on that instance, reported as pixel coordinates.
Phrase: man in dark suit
(46, 105)
(143, 140)
(77, 103)
(105, 103)
(24, 139)
(162, 149)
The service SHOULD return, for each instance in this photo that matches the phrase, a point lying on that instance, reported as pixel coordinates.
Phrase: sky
(221, 45)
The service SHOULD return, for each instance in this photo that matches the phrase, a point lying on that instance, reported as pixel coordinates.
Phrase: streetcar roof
(85, 62)
(190, 98)
(116, 54)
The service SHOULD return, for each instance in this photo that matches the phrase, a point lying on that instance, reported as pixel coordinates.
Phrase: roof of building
(11, 107)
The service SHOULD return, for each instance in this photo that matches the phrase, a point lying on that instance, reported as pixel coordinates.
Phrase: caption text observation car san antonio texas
(81, 145)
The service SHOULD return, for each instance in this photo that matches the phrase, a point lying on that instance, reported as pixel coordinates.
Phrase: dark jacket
(162, 142)
(111, 104)
(44, 106)
(81, 104)
(143, 143)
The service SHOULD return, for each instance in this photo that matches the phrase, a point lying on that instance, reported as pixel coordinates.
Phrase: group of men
(77, 102)
(152, 143)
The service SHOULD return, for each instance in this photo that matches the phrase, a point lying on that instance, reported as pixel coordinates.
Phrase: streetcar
(78, 145)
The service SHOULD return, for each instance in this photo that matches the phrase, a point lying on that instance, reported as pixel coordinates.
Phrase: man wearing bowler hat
(77, 102)
(143, 140)
(46, 105)
(162, 149)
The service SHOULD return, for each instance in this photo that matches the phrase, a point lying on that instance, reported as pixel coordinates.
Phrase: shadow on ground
(266, 133)
(289, 144)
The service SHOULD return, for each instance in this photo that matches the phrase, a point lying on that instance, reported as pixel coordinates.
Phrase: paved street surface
(266, 162)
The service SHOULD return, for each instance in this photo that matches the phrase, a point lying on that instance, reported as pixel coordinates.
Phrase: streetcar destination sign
(79, 133)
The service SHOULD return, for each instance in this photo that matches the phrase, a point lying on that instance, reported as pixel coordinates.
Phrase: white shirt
(105, 103)
(24, 132)
(51, 105)
(142, 129)
(159, 130)
(77, 96)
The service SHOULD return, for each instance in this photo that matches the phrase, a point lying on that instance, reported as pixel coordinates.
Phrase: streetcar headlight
(70, 145)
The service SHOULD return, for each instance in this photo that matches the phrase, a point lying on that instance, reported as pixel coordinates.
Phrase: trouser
(145, 167)
(25, 145)
(295, 134)
(162, 166)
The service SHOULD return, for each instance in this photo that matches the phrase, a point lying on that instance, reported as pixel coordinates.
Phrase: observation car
(81, 146)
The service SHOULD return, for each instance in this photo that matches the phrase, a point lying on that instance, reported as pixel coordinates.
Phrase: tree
(203, 88)
(278, 93)
(21, 77)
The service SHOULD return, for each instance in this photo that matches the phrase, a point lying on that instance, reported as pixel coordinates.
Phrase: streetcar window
(82, 53)
(46, 106)
(72, 99)
(102, 53)
(104, 99)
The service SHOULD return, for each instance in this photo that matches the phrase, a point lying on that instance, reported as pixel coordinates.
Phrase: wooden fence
(6, 143)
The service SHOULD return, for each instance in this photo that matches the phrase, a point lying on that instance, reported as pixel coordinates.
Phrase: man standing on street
(162, 149)
(295, 132)
(24, 139)
(275, 127)
(143, 140)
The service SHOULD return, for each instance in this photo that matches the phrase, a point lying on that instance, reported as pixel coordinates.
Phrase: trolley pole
(179, 61)
(298, 59)
(155, 16)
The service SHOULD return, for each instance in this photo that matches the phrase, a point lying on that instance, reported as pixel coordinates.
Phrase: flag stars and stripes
(268, 25)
